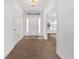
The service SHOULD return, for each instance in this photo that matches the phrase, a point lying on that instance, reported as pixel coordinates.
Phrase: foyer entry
(33, 25)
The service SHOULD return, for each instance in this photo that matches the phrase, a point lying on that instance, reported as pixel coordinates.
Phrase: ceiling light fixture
(34, 3)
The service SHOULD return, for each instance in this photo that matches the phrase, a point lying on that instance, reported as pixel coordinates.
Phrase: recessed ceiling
(26, 5)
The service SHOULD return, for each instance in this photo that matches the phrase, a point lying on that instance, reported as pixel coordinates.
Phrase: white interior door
(16, 25)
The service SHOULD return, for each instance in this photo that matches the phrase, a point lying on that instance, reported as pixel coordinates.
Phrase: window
(39, 23)
(27, 20)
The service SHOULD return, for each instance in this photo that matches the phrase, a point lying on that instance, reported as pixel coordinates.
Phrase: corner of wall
(45, 36)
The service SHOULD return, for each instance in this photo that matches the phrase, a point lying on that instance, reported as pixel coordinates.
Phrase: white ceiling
(26, 5)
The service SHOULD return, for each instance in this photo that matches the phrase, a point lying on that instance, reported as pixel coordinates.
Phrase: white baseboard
(9, 50)
(60, 55)
(12, 47)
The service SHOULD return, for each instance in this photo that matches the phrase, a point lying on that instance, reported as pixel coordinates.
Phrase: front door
(33, 25)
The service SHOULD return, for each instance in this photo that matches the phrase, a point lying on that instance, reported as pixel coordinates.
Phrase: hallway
(38, 29)
(27, 25)
(34, 48)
